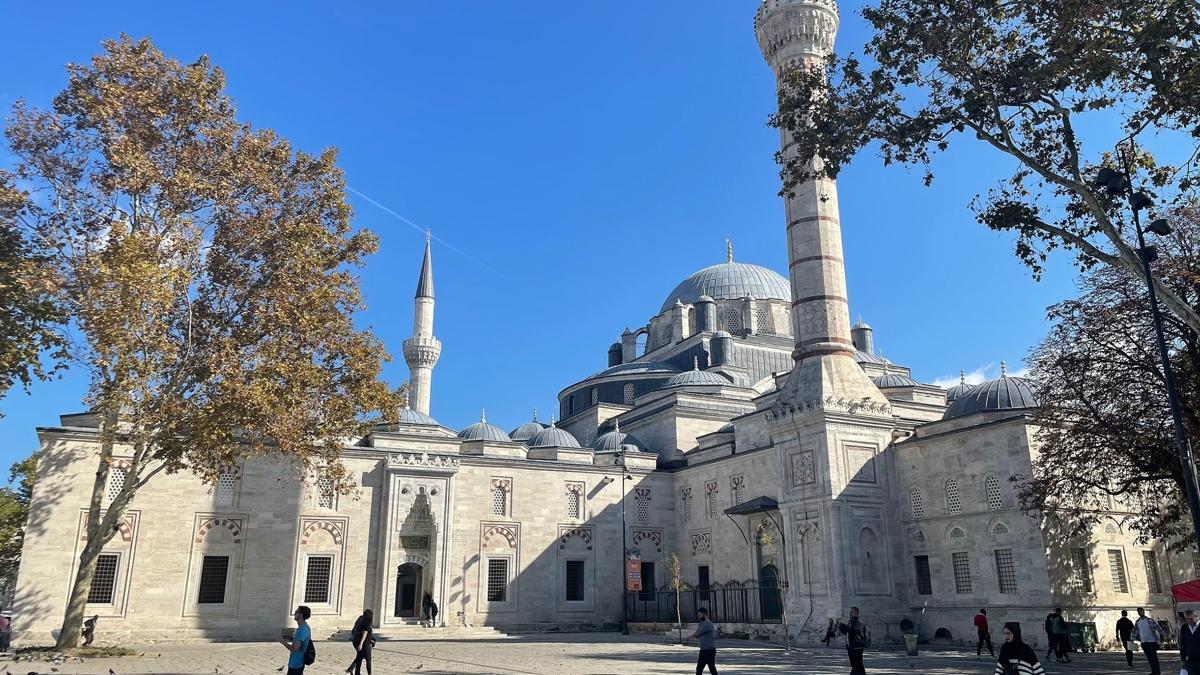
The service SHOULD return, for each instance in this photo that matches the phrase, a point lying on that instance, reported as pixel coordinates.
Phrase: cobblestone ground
(565, 654)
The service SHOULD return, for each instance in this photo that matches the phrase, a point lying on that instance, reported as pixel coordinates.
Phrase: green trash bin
(910, 644)
(1082, 636)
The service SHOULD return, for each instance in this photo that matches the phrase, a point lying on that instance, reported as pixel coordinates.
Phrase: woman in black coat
(363, 639)
(1016, 657)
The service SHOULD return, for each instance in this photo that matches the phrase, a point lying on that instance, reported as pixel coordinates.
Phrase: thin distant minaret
(421, 351)
(799, 34)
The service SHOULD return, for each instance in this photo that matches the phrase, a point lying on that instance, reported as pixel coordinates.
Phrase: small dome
(727, 429)
(636, 368)
(889, 380)
(863, 357)
(730, 281)
(956, 392)
(410, 416)
(552, 437)
(1003, 393)
(527, 430)
(483, 431)
(696, 377)
(612, 441)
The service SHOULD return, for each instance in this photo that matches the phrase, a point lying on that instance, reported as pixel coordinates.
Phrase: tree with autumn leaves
(203, 270)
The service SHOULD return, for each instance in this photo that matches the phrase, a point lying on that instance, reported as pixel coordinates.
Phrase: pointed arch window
(917, 500)
(991, 488)
(953, 497)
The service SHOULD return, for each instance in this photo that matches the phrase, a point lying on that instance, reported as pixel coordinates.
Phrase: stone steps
(415, 631)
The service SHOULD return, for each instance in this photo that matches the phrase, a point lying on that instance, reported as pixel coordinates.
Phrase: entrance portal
(768, 590)
(408, 587)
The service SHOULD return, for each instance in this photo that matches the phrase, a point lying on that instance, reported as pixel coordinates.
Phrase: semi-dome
(409, 416)
(695, 377)
(612, 441)
(1003, 393)
(484, 431)
(553, 437)
(889, 379)
(527, 430)
(636, 368)
(730, 281)
(956, 392)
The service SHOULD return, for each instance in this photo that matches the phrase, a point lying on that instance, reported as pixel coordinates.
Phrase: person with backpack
(858, 638)
(1056, 629)
(1145, 631)
(362, 636)
(1016, 657)
(433, 612)
(301, 647)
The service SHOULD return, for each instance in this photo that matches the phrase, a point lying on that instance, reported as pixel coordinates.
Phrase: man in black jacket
(856, 641)
(1125, 636)
(1189, 643)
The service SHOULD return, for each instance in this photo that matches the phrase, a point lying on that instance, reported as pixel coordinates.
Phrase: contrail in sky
(420, 229)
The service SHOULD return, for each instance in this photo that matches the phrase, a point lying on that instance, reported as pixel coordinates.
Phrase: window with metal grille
(917, 501)
(953, 498)
(738, 487)
(1150, 560)
(962, 573)
(499, 501)
(325, 496)
(575, 586)
(116, 482)
(733, 321)
(924, 579)
(1083, 568)
(1116, 567)
(226, 487)
(712, 505)
(104, 579)
(1006, 570)
(1000, 528)
(497, 579)
(1196, 564)
(762, 320)
(628, 394)
(991, 487)
(574, 504)
(958, 533)
(687, 508)
(214, 570)
(1111, 528)
(316, 582)
(643, 510)
(595, 396)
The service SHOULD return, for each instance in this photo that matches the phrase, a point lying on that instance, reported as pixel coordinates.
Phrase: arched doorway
(408, 590)
(768, 589)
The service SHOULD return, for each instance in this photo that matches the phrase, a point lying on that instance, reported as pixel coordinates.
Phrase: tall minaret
(421, 351)
(800, 34)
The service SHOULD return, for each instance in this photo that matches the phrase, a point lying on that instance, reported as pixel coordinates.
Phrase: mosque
(746, 430)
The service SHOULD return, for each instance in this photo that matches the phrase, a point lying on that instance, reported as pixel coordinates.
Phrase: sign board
(633, 575)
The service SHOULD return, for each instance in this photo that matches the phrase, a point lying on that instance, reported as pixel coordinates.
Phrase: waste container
(1082, 635)
(910, 644)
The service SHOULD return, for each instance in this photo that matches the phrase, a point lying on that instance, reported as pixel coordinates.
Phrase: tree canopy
(1017, 76)
(207, 268)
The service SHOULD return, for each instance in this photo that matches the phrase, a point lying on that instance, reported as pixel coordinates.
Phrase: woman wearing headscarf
(1016, 657)
(363, 638)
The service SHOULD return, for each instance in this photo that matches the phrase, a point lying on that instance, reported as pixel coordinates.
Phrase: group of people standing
(1146, 630)
(362, 637)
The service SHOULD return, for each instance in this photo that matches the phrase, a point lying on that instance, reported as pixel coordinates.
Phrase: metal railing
(732, 602)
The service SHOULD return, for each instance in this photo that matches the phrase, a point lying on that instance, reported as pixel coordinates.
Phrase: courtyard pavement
(550, 654)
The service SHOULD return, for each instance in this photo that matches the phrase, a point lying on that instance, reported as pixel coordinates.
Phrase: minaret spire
(421, 351)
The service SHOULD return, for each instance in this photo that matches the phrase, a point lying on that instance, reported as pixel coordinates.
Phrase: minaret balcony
(422, 351)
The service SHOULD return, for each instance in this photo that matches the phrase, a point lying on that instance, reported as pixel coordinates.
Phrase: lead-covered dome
(613, 441)
(890, 380)
(484, 431)
(553, 437)
(957, 391)
(730, 281)
(409, 416)
(695, 377)
(527, 430)
(1003, 393)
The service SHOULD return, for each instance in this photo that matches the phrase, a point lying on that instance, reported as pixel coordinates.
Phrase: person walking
(363, 639)
(1124, 636)
(1056, 628)
(425, 602)
(1189, 643)
(301, 638)
(830, 632)
(856, 641)
(1145, 631)
(89, 630)
(433, 613)
(985, 635)
(706, 633)
(1016, 657)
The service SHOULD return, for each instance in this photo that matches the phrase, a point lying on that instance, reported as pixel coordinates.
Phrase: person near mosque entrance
(1016, 657)
(1125, 636)
(706, 633)
(985, 635)
(1056, 631)
(857, 640)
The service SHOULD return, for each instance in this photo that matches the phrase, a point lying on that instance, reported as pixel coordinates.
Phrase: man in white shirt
(1145, 631)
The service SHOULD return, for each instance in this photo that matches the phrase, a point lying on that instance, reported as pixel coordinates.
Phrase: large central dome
(730, 281)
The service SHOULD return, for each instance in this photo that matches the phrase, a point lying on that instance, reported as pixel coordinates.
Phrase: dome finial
(1003, 370)
(535, 414)
(616, 425)
(482, 415)
(695, 363)
(728, 250)
(962, 377)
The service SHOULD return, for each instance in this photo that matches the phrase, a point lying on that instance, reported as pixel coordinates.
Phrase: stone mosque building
(746, 428)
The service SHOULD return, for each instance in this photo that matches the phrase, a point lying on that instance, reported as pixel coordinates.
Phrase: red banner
(633, 575)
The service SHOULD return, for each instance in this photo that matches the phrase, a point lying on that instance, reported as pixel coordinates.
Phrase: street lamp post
(1117, 184)
(620, 457)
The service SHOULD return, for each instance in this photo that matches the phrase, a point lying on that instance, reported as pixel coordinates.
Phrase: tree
(1105, 425)
(1019, 76)
(14, 512)
(677, 585)
(207, 269)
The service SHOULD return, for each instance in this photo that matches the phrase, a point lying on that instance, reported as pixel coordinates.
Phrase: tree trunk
(72, 628)
(678, 617)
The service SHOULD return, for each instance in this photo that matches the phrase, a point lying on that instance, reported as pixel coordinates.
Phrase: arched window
(499, 500)
(869, 556)
(116, 482)
(917, 500)
(1111, 528)
(1000, 528)
(325, 493)
(918, 537)
(991, 488)
(953, 498)
(958, 533)
(628, 393)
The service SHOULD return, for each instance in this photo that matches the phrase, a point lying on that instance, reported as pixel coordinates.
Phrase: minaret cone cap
(425, 283)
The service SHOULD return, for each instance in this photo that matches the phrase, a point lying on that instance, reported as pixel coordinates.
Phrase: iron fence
(732, 602)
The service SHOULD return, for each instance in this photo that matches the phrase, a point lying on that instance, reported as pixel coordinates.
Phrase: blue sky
(582, 157)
